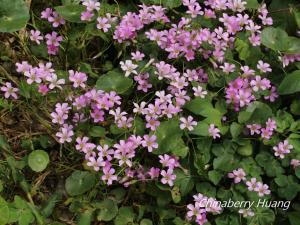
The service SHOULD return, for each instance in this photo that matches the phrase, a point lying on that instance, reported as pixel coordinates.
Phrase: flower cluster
(53, 17)
(252, 184)
(123, 154)
(43, 75)
(202, 205)
(53, 40)
(290, 58)
(132, 121)
(91, 6)
(131, 23)
(267, 132)
(282, 149)
(242, 91)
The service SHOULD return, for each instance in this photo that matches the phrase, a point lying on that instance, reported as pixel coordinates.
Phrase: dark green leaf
(13, 15)
(80, 182)
(184, 181)
(252, 4)
(235, 129)
(4, 211)
(108, 210)
(114, 81)
(146, 222)
(215, 176)
(256, 112)
(38, 160)
(125, 216)
(290, 83)
(275, 38)
(70, 13)
(97, 131)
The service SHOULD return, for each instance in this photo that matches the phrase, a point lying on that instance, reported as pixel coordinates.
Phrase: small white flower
(199, 92)
(54, 82)
(188, 123)
(128, 67)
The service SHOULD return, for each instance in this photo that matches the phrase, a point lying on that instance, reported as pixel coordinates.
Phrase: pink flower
(271, 124)
(272, 96)
(282, 149)
(33, 76)
(228, 68)
(23, 67)
(9, 90)
(238, 175)
(262, 189)
(54, 81)
(263, 67)
(154, 173)
(56, 19)
(199, 92)
(96, 163)
(59, 117)
(35, 36)
(65, 134)
(53, 39)
(86, 15)
(43, 89)
(194, 211)
(167, 161)
(91, 5)
(78, 78)
(46, 13)
(246, 212)
(149, 142)
(252, 184)
(247, 71)
(254, 128)
(97, 115)
(103, 24)
(295, 163)
(260, 84)
(168, 177)
(188, 123)
(137, 56)
(255, 40)
(81, 144)
(213, 131)
(109, 176)
(105, 152)
(266, 133)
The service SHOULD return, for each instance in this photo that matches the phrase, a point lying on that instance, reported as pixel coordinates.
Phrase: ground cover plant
(150, 112)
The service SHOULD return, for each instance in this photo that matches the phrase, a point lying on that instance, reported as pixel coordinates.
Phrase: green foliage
(114, 81)
(256, 112)
(97, 131)
(108, 210)
(205, 108)
(278, 40)
(290, 83)
(80, 182)
(13, 15)
(70, 12)
(38, 160)
(274, 38)
(169, 138)
(125, 216)
(242, 48)
(67, 191)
